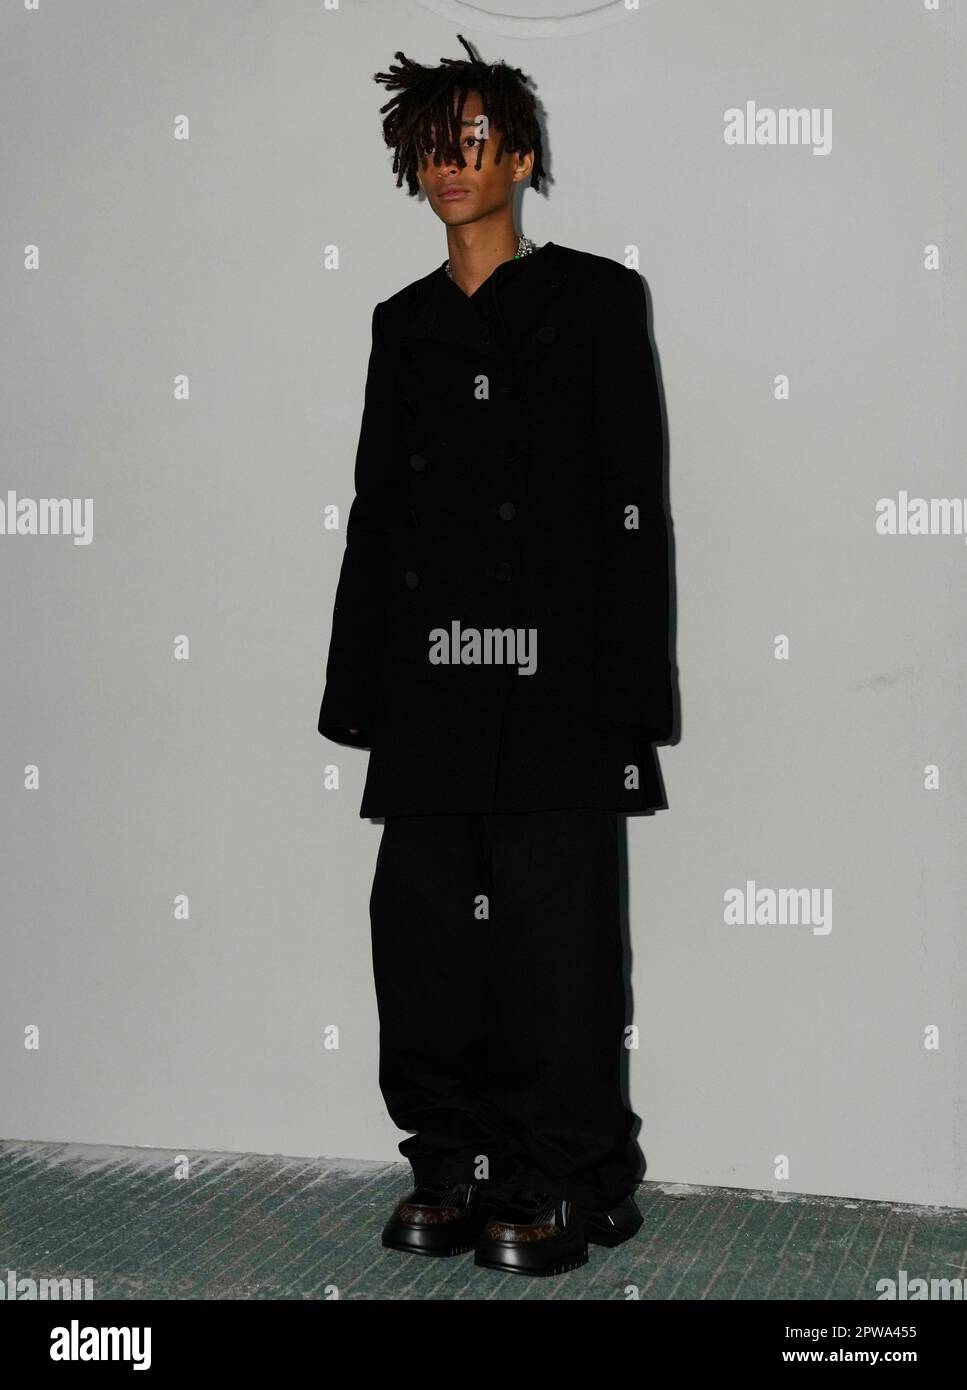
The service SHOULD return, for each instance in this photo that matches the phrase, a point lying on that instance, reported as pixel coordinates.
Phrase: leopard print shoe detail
(533, 1233)
(443, 1218)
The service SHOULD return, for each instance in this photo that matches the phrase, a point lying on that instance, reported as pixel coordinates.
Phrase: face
(461, 195)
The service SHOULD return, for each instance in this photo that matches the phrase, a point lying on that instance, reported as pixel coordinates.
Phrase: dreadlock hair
(423, 113)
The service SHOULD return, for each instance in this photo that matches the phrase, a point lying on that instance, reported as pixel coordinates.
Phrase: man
(500, 643)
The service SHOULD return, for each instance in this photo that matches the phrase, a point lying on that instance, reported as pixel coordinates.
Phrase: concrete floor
(242, 1226)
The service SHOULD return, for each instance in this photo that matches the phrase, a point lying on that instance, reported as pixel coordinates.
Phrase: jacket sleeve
(632, 672)
(352, 690)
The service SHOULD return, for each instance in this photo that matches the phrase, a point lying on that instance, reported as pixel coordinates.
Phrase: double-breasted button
(506, 511)
(546, 334)
(503, 571)
(417, 463)
(411, 579)
(412, 520)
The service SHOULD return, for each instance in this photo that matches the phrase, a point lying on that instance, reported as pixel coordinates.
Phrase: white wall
(160, 777)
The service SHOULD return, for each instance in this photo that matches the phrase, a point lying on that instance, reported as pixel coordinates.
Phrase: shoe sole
(405, 1248)
(430, 1240)
(561, 1267)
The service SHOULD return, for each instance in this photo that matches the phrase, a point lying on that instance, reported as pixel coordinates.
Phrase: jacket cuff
(342, 733)
(340, 713)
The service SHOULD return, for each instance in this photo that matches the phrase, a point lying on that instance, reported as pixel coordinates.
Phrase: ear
(523, 166)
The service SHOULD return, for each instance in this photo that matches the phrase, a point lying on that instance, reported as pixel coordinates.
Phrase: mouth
(451, 194)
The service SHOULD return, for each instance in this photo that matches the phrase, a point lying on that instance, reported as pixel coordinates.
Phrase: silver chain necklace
(524, 247)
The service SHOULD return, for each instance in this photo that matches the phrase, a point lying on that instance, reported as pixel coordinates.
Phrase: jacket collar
(449, 316)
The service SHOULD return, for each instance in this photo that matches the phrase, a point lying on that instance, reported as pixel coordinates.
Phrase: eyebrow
(471, 120)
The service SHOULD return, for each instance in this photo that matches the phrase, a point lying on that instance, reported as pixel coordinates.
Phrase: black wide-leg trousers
(497, 958)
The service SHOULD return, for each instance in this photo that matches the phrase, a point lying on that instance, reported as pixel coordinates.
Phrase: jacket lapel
(447, 316)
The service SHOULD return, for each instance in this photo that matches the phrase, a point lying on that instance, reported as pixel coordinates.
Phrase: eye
(471, 141)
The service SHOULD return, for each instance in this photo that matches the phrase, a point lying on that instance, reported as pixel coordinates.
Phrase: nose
(449, 158)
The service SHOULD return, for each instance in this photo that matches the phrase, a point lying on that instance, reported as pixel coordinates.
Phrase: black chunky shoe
(437, 1218)
(535, 1233)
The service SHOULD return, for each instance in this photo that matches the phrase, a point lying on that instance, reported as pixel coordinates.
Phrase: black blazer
(507, 482)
